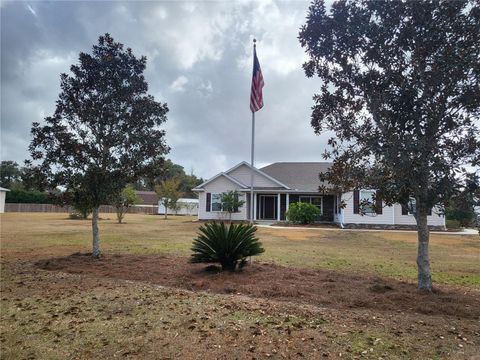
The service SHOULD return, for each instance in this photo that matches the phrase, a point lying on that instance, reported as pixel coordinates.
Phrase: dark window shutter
(235, 209)
(209, 201)
(356, 201)
(378, 204)
(404, 210)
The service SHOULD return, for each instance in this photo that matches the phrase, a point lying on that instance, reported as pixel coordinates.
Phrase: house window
(366, 201)
(314, 200)
(216, 202)
(412, 206)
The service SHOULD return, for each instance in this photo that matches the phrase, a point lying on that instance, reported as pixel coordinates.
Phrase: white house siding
(349, 217)
(435, 219)
(2, 201)
(243, 173)
(218, 186)
(185, 207)
(388, 217)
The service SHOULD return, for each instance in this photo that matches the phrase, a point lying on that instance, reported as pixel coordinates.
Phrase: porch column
(278, 207)
(288, 201)
(254, 207)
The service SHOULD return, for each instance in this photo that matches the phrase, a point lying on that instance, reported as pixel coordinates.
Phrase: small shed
(185, 206)
(3, 193)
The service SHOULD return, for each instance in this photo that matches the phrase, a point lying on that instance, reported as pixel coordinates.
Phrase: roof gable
(240, 175)
(242, 172)
(222, 174)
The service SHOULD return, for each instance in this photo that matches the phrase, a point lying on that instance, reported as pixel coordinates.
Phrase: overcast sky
(199, 61)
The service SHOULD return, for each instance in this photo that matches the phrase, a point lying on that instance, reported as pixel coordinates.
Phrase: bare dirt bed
(265, 280)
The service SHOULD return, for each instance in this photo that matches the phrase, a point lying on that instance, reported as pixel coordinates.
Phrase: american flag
(256, 98)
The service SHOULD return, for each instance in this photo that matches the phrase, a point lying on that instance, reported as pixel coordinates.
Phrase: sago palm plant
(227, 245)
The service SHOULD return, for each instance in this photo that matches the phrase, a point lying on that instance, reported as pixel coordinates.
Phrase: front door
(268, 208)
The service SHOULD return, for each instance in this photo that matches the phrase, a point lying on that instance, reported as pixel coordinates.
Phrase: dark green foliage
(463, 216)
(10, 174)
(21, 196)
(105, 131)
(452, 224)
(231, 202)
(401, 93)
(81, 204)
(170, 171)
(302, 213)
(228, 245)
(462, 206)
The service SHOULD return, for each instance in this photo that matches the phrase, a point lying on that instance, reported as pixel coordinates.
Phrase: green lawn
(455, 259)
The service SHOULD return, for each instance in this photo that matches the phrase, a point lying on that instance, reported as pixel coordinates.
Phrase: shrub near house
(302, 213)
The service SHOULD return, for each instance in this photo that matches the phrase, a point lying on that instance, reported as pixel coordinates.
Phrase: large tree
(10, 174)
(401, 94)
(105, 132)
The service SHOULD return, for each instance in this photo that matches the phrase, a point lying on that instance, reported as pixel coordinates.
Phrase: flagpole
(251, 173)
(252, 158)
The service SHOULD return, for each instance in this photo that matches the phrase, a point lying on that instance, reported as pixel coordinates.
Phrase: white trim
(287, 205)
(217, 176)
(258, 171)
(278, 207)
(393, 214)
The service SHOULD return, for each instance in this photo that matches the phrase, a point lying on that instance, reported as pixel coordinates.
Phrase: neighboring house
(278, 185)
(148, 197)
(3, 193)
(184, 207)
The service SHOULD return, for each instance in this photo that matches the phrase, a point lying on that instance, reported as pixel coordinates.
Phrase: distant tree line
(171, 171)
(25, 190)
(22, 188)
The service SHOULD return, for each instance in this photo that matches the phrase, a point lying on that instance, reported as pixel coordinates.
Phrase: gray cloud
(199, 62)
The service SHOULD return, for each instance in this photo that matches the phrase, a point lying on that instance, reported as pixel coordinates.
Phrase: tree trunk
(423, 259)
(96, 239)
(166, 212)
(119, 215)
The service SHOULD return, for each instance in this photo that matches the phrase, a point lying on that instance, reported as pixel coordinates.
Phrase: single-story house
(3, 193)
(148, 197)
(278, 185)
(185, 206)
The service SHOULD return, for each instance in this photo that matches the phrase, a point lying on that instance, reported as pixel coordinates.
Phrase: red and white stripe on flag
(256, 97)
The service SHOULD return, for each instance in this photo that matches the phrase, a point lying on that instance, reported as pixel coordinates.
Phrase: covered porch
(271, 206)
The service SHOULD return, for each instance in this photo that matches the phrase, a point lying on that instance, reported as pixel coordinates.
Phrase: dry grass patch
(327, 304)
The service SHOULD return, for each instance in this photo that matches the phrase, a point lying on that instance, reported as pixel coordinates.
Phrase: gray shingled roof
(298, 175)
(148, 197)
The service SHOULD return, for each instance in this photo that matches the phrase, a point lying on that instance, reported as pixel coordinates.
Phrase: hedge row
(27, 197)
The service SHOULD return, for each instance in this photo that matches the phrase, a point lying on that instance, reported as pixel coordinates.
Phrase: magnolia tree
(105, 132)
(400, 91)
